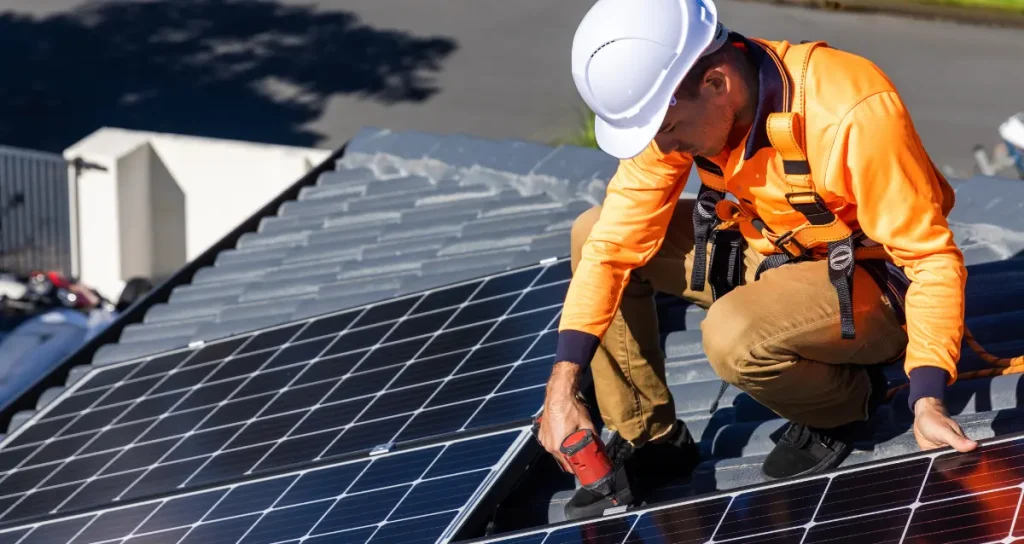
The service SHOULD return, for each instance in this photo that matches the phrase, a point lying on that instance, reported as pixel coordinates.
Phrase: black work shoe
(638, 472)
(659, 463)
(805, 450)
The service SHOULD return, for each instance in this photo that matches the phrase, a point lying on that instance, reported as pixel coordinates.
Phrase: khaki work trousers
(777, 339)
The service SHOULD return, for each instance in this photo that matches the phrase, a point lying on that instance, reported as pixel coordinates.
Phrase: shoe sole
(598, 509)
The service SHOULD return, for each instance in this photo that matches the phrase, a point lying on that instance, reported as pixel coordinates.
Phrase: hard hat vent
(602, 46)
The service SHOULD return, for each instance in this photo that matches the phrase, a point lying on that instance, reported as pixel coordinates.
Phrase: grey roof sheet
(406, 211)
(401, 212)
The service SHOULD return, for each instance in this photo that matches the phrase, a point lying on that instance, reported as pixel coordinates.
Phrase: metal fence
(35, 220)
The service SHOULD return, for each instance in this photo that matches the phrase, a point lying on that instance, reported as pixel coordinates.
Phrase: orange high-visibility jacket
(866, 161)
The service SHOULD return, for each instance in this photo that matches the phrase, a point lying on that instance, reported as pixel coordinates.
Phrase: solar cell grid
(418, 495)
(925, 498)
(402, 370)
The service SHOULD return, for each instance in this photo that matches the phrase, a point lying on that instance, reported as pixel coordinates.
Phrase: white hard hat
(628, 58)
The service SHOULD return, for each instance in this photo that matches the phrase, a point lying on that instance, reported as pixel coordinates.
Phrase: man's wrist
(928, 403)
(564, 381)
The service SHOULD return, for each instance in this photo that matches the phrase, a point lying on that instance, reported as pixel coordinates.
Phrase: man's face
(697, 125)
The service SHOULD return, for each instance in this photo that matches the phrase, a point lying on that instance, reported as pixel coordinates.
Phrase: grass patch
(985, 8)
(1007, 5)
(583, 135)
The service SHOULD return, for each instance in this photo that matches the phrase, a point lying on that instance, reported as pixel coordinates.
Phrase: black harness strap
(704, 222)
(840, 273)
(726, 267)
(774, 260)
(841, 261)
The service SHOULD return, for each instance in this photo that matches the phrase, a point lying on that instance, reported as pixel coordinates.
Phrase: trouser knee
(817, 394)
(723, 333)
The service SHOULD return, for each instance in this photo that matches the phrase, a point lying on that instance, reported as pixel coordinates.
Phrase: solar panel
(467, 357)
(923, 498)
(417, 495)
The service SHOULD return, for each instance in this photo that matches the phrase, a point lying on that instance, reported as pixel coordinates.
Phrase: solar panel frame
(258, 500)
(740, 515)
(146, 375)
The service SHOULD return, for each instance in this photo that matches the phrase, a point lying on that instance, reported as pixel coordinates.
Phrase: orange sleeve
(900, 204)
(638, 205)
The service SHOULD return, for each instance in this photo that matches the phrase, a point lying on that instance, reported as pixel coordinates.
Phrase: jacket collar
(773, 85)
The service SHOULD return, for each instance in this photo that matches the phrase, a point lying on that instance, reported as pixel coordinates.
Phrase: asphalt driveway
(312, 73)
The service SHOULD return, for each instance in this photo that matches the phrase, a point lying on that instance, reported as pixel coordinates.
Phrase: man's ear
(716, 80)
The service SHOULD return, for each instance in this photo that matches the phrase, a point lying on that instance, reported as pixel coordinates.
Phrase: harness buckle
(787, 241)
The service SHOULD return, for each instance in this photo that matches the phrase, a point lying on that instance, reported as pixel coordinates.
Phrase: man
(832, 257)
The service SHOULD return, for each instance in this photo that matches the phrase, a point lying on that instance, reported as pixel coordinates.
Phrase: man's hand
(563, 413)
(933, 428)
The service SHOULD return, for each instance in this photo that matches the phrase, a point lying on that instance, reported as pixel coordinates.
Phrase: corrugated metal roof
(401, 212)
(408, 211)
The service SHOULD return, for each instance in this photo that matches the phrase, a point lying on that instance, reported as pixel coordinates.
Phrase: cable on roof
(1000, 365)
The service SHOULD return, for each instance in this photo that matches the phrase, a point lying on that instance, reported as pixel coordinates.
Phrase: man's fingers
(552, 446)
(925, 443)
(561, 461)
(947, 432)
(958, 439)
(560, 424)
(557, 454)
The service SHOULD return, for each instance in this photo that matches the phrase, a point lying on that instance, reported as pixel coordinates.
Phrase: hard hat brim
(626, 143)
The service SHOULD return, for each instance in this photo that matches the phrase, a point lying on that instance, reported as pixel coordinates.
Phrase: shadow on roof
(255, 70)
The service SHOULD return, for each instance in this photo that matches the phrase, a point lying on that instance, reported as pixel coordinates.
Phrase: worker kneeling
(832, 257)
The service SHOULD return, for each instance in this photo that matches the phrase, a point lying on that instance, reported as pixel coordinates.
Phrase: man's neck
(746, 112)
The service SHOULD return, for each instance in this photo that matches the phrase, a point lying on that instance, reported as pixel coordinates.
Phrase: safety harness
(714, 218)
(822, 229)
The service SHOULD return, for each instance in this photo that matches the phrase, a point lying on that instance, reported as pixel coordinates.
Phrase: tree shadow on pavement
(252, 70)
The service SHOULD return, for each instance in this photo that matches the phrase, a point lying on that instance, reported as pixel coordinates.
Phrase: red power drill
(585, 453)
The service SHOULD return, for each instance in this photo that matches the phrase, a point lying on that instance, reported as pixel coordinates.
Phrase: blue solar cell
(928, 497)
(172, 535)
(62, 531)
(506, 283)
(181, 512)
(421, 530)
(115, 523)
(419, 493)
(322, 484)
(267, 436)
(281, 335)
(252, 497)
(446, 298)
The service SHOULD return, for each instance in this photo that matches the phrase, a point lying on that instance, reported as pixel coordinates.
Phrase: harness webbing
(704, 221)
(841, 260)
(786, 134)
